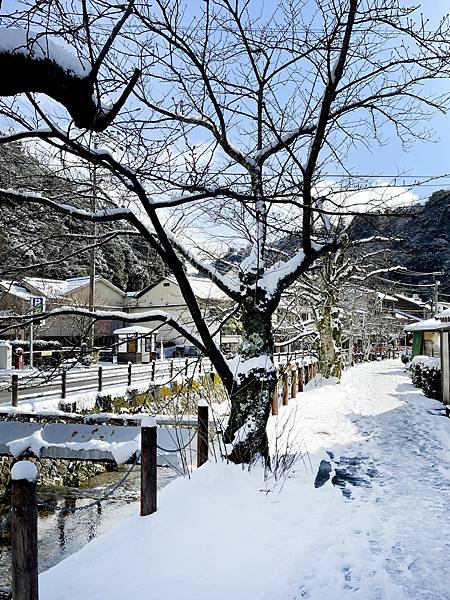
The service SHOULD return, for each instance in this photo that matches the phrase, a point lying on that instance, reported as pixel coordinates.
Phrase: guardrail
(97, 377)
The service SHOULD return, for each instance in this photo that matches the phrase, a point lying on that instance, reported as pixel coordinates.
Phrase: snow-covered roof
(11, 287)
(402, 317)
(428, 325)
(402, 314)
(205, 289)
(139, 329)
(413, 300)
(386, 297)
(55, 288)
(440, 321)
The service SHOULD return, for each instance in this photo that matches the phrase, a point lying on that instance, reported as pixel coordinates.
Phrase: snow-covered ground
(227, 533)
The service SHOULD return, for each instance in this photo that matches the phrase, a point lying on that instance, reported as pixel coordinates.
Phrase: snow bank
(121, 450)
(227, 533)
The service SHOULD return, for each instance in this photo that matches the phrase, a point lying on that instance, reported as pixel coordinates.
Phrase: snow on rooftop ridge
(14, 288)
(432, 324)
(40, 46)
(413, 299)
(54, 288)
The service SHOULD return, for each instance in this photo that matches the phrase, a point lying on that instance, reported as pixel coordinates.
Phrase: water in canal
(61, 534)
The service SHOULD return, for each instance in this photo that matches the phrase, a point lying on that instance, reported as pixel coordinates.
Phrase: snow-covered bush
(426, 373)
(415, 370)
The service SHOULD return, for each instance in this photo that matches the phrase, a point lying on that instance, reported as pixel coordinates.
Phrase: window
(148, 344)
(166, 284)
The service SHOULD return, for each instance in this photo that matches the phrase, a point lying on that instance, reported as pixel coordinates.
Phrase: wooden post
(153, 369)
(300, 378)
(285, 389)
(148, 466)
(14, 390)
(275, 400)
(186, 367)
(100, 379)
(24, 548)
(202, 434)
(64, 384)
(294, 382)
(200, 366)
(306, 374)
(129, 374)
(171, 368)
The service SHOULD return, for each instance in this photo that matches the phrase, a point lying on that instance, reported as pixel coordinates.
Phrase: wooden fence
(293, 379)
(24, 505)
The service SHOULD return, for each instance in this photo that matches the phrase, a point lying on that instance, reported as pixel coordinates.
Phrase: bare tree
(337, 289)
(232, 125)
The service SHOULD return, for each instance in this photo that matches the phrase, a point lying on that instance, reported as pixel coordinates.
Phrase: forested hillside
(424, 232)
(34, 241)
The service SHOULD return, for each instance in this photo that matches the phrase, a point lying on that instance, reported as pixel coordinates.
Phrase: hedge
(425, 373)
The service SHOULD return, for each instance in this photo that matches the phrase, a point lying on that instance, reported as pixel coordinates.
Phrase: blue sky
(423, 158)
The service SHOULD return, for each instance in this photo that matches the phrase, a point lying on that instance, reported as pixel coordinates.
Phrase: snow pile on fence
(57, 440)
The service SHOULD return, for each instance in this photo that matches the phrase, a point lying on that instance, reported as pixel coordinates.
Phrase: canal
(62, 533)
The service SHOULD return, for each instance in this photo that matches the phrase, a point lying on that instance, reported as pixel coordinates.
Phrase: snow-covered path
(409, 449)
(227, 533)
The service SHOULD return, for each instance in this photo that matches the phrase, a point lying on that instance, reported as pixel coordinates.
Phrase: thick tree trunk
(331, 362)
(253, 389)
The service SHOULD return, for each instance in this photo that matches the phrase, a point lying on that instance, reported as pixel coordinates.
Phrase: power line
(419, 274)
(402, 284)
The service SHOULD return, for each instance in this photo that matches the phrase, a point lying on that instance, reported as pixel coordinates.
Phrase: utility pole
(435, 303)
(37, 306)
(92, 254)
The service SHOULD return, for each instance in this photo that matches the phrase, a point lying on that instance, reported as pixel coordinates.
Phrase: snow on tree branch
(104, 214)
(33, 62)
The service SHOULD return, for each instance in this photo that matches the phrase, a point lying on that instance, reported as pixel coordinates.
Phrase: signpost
(37, 308)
